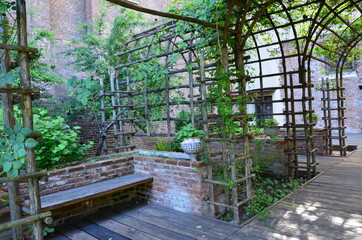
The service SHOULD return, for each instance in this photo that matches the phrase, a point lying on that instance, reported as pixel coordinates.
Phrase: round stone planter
(192, 146)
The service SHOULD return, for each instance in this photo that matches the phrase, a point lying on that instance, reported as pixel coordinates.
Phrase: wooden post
(33, 184)
(191, 83)
(9, 121)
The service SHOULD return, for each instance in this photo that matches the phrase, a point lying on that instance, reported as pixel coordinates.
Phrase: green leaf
(17, 128)
(13, 172)
(9, 131)
(17, 164)
(30, 143)
(15, 147)
(22, 152)
(25, 131)
(8, 78)
(7, 166)
(20, 138)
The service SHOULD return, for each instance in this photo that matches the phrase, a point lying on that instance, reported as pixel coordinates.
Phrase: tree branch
(129, 5)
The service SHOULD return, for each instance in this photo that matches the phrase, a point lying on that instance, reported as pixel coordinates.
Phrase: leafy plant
(271, 122)
(48, 230)
(162, 145)
(180, 124)
(268, 191)
(315, 117)
(189, 131)
(12, 148)
(60, 142)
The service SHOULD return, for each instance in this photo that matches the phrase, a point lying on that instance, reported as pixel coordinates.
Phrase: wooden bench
(88, 192)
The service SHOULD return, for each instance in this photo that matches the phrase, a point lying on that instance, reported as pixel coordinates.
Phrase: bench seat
(87, 192)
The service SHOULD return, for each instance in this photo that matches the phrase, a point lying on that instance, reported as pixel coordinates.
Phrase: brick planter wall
(272, 153)
(318, 140)
(176, 183)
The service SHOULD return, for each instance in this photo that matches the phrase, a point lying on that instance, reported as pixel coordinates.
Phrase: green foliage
(189, 131)
(96, 51)
(315, 117)
(180, 124)
(47, 230)
(169, 146)
(268, 191)
(86, 89)
(6, 8)
(12, 148)
(162, 145)
(271, 122)
(60, 142)
(8, 78)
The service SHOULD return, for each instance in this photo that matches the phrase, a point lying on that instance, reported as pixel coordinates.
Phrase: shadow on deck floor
(149, 221)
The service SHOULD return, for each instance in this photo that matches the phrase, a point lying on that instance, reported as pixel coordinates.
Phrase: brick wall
(271, 153)
(318, 140)
(176, 183)
(81, 175)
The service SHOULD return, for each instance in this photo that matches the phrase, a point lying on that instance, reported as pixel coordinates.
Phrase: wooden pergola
(247, 22)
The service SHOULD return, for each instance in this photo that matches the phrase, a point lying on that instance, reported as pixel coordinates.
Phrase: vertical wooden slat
(33, 184)
(324, 100)
(203, 92)
(103, 116)
(191, 85)
(9, 121)
(293, 120)
(112, 77)
(167, 90)
(329, 126)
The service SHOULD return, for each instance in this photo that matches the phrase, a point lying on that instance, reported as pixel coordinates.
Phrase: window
(265, 108)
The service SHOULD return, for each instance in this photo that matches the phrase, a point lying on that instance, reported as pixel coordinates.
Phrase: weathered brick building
(64, 18)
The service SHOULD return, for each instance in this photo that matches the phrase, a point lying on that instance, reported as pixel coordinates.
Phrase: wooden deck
(144, 222)
(330, 207)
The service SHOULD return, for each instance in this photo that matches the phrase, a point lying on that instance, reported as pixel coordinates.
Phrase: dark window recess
(360, 87)
(264, 110)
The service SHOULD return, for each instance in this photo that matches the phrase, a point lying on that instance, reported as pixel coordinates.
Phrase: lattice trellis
(275, 46)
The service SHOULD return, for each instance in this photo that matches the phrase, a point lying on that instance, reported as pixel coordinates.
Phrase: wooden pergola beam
(129, 5)
(18, 48)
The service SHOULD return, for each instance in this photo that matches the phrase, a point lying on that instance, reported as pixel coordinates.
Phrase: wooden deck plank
(145, 227)
(191, 232)
(242, 235)
(119, 228)
(211, 226)
(329, 219)
(265, 233)
(73, 233)
(286, 232)
(224, 226)
(330, 207)
(97, 231)
(56, 236)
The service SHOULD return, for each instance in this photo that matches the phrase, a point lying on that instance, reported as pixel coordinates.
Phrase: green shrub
(189, 131)
(180, 124)
(162, 145)
(60, 142)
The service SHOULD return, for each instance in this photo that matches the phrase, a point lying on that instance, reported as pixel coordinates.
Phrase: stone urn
(192, 146)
